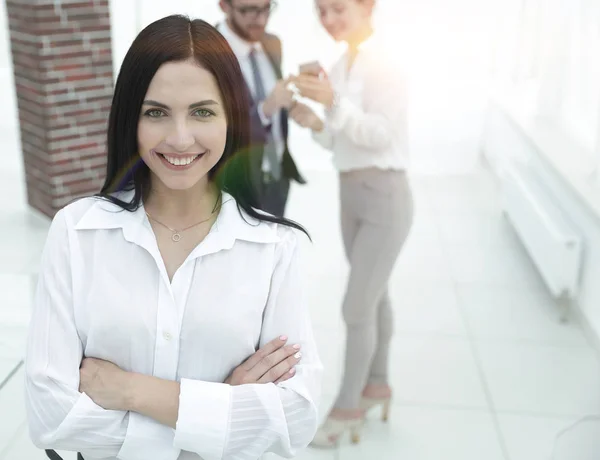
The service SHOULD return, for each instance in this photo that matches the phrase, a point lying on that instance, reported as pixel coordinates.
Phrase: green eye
(203, 113)
(154, 113)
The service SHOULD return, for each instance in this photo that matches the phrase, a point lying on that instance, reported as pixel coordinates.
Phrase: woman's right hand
(306, 117)
(273, 363)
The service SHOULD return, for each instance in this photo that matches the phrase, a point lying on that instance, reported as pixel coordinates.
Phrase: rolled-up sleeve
(219, 421)
(384, 111)
(59, 416)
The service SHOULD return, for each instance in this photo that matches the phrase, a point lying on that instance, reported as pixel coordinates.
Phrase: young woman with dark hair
(151, 294)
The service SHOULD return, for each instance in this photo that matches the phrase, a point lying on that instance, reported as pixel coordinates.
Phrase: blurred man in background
(259, 53)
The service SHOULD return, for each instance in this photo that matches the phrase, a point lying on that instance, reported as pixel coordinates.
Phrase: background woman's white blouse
(104, 292)
(369, 127)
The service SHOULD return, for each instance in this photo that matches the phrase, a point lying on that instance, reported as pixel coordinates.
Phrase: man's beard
(239, 31)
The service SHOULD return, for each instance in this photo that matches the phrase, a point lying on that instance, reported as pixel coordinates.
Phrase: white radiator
(550, 240)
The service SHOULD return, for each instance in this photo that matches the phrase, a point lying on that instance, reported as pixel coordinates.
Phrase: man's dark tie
(270, 150)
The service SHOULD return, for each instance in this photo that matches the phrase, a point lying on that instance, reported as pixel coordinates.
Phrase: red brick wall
(61, 51)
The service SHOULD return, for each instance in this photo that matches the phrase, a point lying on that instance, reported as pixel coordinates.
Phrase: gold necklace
(176, 236)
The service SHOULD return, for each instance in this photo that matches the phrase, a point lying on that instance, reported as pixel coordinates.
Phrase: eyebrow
(191, 106)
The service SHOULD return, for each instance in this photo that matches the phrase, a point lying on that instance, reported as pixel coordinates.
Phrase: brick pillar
(61, 51)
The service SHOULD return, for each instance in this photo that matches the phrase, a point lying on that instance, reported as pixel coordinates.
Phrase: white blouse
(104, 292)
(369, 126)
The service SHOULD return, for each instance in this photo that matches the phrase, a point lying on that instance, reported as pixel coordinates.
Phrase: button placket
(166, 351)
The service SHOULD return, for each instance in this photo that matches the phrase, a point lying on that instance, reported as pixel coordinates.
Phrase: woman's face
(343, 19)
(182, 129)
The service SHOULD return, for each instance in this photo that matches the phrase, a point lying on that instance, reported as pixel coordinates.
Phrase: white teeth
(177, 161)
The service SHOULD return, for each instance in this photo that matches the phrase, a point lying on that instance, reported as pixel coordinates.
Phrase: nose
(260, 21)
(181, 137)
(327, 20)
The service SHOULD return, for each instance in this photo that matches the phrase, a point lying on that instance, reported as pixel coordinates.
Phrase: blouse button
(167, 336)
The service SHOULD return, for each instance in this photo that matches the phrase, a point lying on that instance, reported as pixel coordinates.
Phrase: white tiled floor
(482, 369)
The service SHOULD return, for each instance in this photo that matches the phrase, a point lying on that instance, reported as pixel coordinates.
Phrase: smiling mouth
(179, 160)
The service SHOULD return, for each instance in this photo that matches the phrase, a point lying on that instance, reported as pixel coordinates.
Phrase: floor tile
(307, 454)
(17, 295)
(420, 309)
(21, 241)
(325, 294)
(13, 202)
(330, 346)
(477, 230)
(417, 433)
(7, 366)
(13, 341)
(533, 438)
(8, 352)
(514, 313)
(424, 227)
(541, 380)
(21, 448)
(433, 370)
(12, 409)
(491, 266)
(580, 441)
(328, 399)
(464, 202)
(466, 194)
(418, 262)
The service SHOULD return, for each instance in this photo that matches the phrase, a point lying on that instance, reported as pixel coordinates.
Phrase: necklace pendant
(176, 237)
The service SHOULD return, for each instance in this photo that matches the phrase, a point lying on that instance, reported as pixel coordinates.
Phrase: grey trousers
(376, 217)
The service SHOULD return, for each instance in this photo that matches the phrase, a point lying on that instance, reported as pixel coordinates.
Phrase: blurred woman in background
(364, 96)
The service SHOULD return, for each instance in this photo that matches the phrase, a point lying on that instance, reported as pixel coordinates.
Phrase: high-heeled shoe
(386, 403)
(329, 434)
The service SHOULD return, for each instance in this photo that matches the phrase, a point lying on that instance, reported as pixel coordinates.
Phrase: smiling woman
(182, 143)
(150, 337)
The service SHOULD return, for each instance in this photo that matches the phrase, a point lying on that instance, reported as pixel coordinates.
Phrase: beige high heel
(329, 434)
(386, 403)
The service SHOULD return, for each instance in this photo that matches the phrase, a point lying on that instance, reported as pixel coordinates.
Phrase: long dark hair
(172, 39)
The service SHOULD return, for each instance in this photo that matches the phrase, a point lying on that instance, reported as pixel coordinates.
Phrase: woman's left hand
(105, 383)
(315, 88)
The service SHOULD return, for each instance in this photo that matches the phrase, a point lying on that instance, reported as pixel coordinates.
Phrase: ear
(225, 6)
(369, 5)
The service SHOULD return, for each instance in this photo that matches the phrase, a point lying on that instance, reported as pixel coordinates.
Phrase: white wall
(10, 151)
(505, 145)
(6, 75)
(552, 63)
